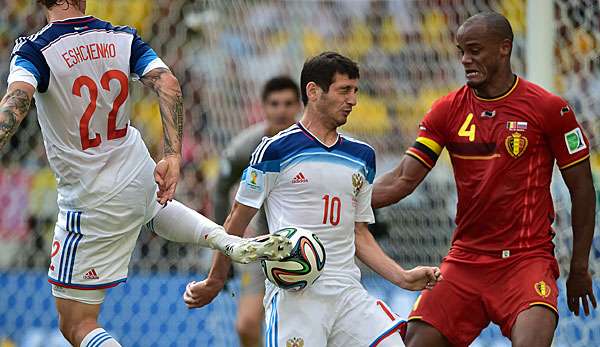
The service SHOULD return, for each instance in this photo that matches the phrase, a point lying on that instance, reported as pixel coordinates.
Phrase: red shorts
(480, 288)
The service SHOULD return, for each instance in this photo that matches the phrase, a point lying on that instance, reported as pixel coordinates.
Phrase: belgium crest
(542, 289)
(516, 144)
(295, 342)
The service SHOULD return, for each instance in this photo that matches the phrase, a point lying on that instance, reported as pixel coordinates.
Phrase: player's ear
(506, 47)
(313, 91)
(82, 4)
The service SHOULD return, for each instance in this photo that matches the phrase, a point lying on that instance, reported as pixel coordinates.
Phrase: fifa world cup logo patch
(295, 342)
(516, 144)
(542, 289)
(357, 182)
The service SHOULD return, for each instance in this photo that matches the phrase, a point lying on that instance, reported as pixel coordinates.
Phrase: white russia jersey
(305, 184)
(81, 68)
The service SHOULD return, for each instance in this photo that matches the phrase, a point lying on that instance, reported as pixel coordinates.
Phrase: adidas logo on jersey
(299, 178)
(91, 275)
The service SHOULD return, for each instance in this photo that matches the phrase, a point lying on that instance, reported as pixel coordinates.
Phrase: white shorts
(92, 247)
(351, 318)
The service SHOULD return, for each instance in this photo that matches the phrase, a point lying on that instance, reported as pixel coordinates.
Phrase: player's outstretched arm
(578, 179)
(13, 109)
(198, 294)
(394, 185)
(170, 100)
(369, 252)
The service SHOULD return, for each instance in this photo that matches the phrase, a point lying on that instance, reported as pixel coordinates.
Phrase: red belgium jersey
(502, 151)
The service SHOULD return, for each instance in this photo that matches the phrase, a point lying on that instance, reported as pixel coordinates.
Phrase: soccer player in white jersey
(312, 177)
(78, 69)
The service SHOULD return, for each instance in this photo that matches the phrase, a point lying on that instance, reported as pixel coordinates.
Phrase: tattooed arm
(170, 100)
(13, 109)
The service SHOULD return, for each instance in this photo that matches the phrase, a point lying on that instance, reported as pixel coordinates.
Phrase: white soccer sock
(99, 338)
(179, 223)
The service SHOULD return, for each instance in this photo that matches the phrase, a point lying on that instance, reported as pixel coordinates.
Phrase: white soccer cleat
(267, 247)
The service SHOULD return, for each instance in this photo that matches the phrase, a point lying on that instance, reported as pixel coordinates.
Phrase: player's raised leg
(178, 223)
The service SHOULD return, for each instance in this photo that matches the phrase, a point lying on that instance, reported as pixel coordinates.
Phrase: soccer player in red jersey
(503, 134)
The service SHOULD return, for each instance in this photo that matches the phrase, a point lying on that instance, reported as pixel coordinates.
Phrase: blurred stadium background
(222, 51)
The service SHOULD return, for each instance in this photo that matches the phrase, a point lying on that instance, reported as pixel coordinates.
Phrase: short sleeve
(568, 142)
(431, 138)
(364, 211)
(29, 65)
(22, 70)
(260, 176)
(143, 58)
(364, 185)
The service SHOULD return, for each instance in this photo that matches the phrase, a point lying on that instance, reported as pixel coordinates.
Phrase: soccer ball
(303, 266)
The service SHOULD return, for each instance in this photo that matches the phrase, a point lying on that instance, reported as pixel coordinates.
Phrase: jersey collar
(512, 89)
(316, 140)
(74, 20)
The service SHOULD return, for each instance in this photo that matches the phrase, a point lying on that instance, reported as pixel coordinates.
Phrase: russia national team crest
(357, 182)
(542, 289)
(295, 342)
(516, 144)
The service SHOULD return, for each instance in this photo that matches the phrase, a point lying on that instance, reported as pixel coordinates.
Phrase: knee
(66, 327)
(75, 330)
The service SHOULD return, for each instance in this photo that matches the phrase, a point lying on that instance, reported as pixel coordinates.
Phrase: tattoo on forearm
(167, 126)
(171, 109)
(179, 115)
(13, 109)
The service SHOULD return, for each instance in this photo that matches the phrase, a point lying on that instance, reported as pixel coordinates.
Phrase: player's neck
(57, 13)
(497, 87)
(326, 134)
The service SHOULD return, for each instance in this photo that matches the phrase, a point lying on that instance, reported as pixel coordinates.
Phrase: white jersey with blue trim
(81, 68)
(305, 184)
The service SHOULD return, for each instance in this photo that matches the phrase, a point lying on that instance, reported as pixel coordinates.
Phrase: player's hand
(166, 175)
(579, 288)
(198, 294)
(421, 277)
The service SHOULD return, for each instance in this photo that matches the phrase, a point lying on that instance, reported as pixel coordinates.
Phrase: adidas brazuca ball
(303, 266)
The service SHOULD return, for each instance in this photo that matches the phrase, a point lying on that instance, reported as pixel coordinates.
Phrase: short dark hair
(495, 23)
(51, 3)
(322, 68)
(278, 83)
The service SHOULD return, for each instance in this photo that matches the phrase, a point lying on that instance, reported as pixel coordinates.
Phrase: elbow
(169, 85)
(172, 83)
(384, 198)
(392, 194)
(381, 200)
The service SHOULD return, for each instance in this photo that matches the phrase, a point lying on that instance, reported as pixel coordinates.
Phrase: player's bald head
(495, 25)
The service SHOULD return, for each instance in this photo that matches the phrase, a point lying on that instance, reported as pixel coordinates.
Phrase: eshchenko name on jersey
(93, 51)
